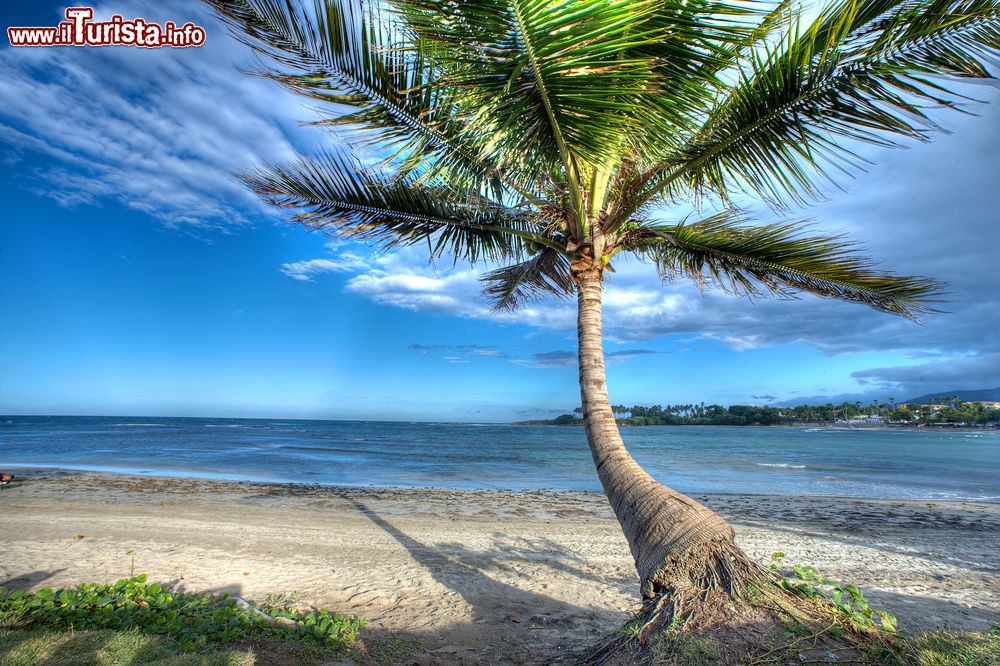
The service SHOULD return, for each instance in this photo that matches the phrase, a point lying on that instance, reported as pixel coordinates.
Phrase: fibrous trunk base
(714, 571)
(718, 606)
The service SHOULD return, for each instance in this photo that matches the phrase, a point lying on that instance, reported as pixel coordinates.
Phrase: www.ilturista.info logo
(80, 30)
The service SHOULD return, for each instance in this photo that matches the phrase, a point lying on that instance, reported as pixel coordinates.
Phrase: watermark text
(79, 29)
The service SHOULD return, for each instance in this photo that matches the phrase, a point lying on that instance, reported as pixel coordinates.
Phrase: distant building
(866, 419)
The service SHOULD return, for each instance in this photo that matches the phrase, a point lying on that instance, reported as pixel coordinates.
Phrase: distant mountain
(882, 395)
(863, 398)
(963, 395)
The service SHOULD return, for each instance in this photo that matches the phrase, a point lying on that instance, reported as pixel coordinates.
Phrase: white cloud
(412, 291)
(161, 131)
(304, 271)
(475, 350)
(638, 307)
(568, 358)
(978, 371)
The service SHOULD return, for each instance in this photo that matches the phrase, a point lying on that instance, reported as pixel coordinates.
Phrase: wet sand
(474, 577)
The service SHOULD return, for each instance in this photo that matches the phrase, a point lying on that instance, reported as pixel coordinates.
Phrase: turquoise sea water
(700, 459)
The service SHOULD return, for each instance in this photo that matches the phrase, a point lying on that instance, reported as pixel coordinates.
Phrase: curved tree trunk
(679, 546)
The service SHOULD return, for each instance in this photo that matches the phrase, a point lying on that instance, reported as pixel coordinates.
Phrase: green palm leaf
(779, 259)
(701, 39)
(552, 83)
(351, 53)
(344, 198)
(546, 273)
(863, 71)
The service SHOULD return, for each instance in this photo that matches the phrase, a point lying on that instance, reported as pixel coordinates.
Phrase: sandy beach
(474, 577)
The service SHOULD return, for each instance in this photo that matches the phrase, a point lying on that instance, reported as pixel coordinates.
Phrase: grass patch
(796, 629)
(192, 621)
(950, 648)
(314, 654)
(700, 652)
(395, 650)
(103, 648)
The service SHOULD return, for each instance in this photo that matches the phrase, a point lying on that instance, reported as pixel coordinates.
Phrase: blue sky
(137, 277)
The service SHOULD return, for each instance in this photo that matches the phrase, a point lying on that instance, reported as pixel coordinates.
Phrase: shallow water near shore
(888, 464)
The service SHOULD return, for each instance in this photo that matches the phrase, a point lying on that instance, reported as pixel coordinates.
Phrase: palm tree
(555, 136)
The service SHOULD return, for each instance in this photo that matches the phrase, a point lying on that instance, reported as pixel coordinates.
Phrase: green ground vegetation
(46, 647)
(76, 629)
(950, 648)
(187, 621)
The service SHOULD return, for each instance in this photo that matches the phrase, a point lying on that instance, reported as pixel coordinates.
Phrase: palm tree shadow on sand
(30, 579)
(504, 619)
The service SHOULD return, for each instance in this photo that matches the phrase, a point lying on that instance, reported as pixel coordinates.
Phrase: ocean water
(696, 459)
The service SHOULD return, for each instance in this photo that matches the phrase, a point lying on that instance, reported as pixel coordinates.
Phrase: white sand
(474, 577)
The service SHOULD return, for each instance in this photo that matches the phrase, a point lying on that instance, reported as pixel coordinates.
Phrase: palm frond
(351, 53)
(865, 70)
(731, 53)
(779, 259)
(701, 38)
(551, 82)
(583, 58)
(344, 198)
(545, 273)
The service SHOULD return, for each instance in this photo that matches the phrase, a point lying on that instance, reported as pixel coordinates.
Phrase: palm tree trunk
(679, 546)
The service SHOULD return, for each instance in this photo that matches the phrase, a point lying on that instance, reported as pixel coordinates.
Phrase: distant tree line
(946, 412)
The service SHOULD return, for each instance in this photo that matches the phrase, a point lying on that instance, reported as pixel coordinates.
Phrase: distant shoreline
(803, 426)
(154, 475)
(6, 419)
